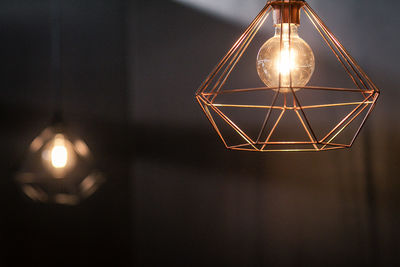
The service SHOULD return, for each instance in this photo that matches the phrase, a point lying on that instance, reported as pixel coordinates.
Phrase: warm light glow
(66, 199)
(59, 168)
(81, 148)
(36, 144)
(285, 60)
(59, 156)
(91, 183)
(59, 153)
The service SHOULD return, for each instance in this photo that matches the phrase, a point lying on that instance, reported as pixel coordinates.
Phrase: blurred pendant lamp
(298, 102)
(58, 167)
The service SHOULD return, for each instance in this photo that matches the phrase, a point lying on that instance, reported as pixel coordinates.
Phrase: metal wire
(212, 89)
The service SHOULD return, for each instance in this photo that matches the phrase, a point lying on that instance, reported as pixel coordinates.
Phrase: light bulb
(286, 64)
(59, 167)
(58, 156)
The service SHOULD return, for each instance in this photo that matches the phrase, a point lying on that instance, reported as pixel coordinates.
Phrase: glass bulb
(288, 65)
(58, 156)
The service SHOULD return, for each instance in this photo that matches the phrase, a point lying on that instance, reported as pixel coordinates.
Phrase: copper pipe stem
(287, 11)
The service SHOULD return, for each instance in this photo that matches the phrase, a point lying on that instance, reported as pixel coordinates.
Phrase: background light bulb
(59, 153)
(59, 156)
(288, 64)
(59, 168)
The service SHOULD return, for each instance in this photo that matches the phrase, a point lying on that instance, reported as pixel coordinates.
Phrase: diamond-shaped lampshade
(58, 168)
(323, 115)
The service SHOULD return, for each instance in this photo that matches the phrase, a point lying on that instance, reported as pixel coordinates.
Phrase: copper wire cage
(276, 103)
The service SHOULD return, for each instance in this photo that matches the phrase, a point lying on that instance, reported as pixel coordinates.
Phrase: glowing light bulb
(285, 61)
(59, 156)
(59, 167)
(59, 153)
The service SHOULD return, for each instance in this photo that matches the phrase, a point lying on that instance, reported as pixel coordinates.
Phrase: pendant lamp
(300, 96)
(59, 167)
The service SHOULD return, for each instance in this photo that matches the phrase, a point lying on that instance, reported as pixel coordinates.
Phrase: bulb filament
(287, 61)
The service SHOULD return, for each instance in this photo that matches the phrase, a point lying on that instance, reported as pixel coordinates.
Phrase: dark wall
(93, 79)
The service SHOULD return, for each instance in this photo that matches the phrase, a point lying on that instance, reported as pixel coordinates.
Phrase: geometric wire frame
(41, 185)
(274, 103)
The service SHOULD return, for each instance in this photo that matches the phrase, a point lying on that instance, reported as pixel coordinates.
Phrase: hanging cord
(56, 15)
